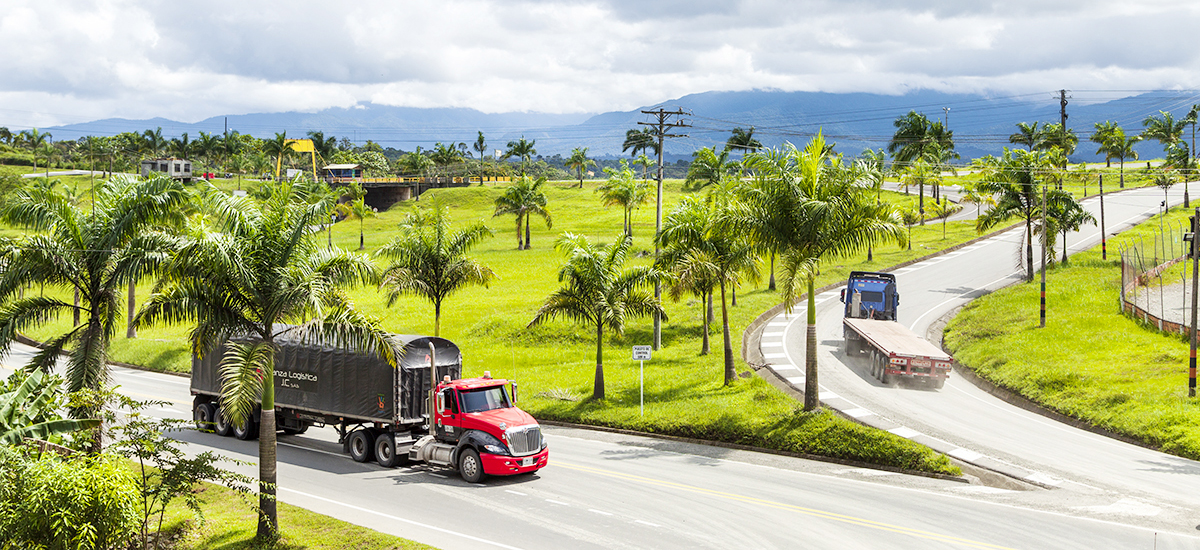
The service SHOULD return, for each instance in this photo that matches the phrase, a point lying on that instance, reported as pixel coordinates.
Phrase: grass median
(1090, 361)
(554, 363)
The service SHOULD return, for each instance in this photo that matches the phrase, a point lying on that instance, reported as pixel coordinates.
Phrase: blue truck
(870, 327)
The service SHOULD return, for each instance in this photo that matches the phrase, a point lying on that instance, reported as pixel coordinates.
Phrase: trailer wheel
(469, 465)
(247, 430)
(204, 417)
(385, 451)
(223, 426)
(361, 445)
(937, 384)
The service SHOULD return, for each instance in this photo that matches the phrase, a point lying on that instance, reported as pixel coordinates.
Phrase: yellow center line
(789, 507)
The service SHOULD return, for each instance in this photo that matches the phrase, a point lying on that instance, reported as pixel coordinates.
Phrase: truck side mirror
(514, 393)
(843, 298)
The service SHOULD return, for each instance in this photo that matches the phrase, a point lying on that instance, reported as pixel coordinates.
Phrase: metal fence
(1150, 289)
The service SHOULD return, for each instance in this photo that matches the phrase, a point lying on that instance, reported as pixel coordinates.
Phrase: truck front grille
(525, 440)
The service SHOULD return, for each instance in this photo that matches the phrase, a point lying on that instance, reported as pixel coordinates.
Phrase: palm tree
(579, 161)
(645, 162)
(443, 156)
(261, 277)
(1013, 177)
(809, 207)
(1027, 134)
(915, 134)
(708, 167)
(1064, 214)
(943, 210)
(523, 198)
(182, 146)
(324, 146)
(974, 195)
(871, 170)
(521, 149)
(743, 141)
(622, 190)
(96, 252)
(279, 147)
(34, 140)
(357, 209)
(640, 141)
(921, 172)
(598, 291)
(431, 261)
(700, 245)
(1114, 144)
(1164, 128)
(153, 142)
(480, 147)
(208, 146)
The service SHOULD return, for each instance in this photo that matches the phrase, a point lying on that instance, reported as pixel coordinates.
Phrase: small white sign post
(641, 354)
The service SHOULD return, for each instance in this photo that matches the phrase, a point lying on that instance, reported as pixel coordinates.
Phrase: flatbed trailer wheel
(362, 445)
(385, 450)
(247, 430)
(204, 415)
(223, 426)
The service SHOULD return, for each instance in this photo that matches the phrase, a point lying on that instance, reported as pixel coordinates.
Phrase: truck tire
(247, 430)
(937, 384)
(469, 465)
(361, 443)
(385, 451)
(204, 415)
(223, 426)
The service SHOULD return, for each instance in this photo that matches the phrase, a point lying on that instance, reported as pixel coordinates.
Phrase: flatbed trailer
(895, 352)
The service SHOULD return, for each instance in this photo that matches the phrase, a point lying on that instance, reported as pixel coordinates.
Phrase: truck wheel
(223, 427)
(469, 465)
(385, 451)
(245, 431)
(937, 384)
(204, 417)
(361, 445)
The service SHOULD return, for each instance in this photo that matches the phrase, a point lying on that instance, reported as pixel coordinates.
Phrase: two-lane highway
(1115, 479)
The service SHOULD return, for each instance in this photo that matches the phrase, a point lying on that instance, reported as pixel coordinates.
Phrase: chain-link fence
(1154, 278)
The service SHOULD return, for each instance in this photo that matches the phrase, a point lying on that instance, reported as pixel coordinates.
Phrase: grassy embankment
(1090, 362)
(555, 362)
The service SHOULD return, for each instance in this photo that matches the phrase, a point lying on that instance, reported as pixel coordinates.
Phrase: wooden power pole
(661, 127)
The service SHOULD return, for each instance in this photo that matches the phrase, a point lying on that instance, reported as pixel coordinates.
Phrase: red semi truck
(381, 413)
(869, 326)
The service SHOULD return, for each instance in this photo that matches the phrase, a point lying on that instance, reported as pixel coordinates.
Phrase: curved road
(1095, 473)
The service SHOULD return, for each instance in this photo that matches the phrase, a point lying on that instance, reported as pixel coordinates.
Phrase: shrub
(53, 502)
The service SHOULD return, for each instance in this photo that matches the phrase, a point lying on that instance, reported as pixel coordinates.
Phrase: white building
(176, 168)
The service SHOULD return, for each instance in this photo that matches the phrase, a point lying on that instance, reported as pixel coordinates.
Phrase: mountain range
(853, 121)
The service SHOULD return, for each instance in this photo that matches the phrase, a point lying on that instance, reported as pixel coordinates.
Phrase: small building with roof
(174, 167)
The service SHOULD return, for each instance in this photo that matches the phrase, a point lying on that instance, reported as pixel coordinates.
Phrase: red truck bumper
(501, 465)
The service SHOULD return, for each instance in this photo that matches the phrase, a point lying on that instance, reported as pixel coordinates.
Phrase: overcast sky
(68, 61)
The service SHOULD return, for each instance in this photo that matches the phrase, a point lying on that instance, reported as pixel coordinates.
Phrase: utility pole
(1195, 288)
(1103, 238)
(1062, 112)
(946, 117)
(660, 131)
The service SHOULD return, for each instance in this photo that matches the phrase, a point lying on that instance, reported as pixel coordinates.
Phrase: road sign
(641, 353)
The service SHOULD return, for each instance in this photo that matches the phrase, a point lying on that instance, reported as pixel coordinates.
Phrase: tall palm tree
(809, 207)
(34, 141)
(600, 292)
(708, 167)
(579, 161)
(357, 209)
(921, 172)
(480, 147)
(1164, 128)
(621, 190)
(95, 251)
(915, 134)
(524, 198)
(153, 143)
(1013, 179)
(444, 156)
(871, 169)
(1027, 134)
(209, 147)
(278, 147)
(743, 141)
(698, 242)
(431, 261)
(324, 146)
(640, 141)
(521, 149)
(182, 146)
(1064, 214)
(1114, 144)
(645, 162)
(262, 276)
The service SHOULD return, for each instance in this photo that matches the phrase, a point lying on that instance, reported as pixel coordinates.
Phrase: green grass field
(1090, 362)
(555, 362)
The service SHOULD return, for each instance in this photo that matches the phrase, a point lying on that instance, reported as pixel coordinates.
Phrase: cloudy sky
(69, 61)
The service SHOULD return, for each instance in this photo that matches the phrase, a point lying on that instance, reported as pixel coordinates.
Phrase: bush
(16, 159)
(53, 502)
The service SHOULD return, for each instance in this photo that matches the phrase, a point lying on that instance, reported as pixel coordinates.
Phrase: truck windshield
(484, 399)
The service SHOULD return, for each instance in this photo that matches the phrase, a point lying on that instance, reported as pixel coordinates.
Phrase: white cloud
(69, 61)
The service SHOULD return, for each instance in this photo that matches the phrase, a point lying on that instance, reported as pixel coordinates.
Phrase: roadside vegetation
(1090, 361)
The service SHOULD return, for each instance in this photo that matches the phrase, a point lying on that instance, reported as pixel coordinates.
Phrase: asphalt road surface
(1082, 471)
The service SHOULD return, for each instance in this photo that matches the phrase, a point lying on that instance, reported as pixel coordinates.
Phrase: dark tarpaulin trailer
(329, 381)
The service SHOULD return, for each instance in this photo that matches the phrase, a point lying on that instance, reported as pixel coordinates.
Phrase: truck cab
(478, 419)
(870, 295)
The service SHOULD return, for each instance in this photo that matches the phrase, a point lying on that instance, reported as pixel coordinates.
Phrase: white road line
(518, 493)
(601, 512)
(402, 520)
(766, 334)
(827, 395)
(905, 432)
(965, 454)
(858, 413)
(798, 380)
(559, 502)
(646, 523)
(770, 344)
(774, 355)
(784, 367)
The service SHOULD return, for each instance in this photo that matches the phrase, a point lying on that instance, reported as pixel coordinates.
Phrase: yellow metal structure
(300, 146)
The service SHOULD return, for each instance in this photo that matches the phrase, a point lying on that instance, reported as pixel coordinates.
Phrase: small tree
(943, 210)
(523, 198)
(621, 190)
(579, 161)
